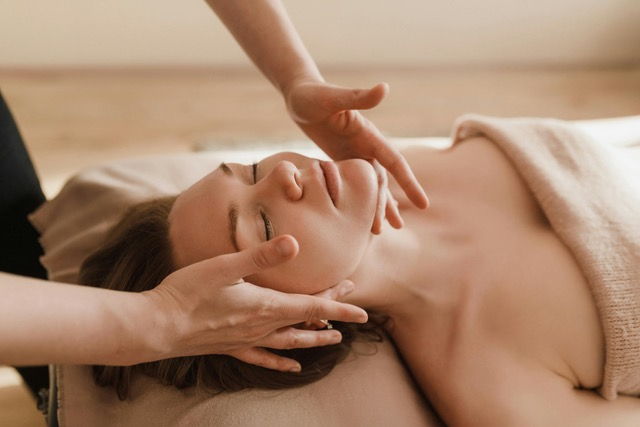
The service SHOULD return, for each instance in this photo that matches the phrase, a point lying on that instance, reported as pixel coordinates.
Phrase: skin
(329, 115)
(291, 191)
(117, 328)
(325, 112)
(488, 307)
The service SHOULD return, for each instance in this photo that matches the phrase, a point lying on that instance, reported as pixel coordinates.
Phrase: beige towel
(590, 191)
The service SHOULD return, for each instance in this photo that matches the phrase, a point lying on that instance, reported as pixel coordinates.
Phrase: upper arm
(547, 399)
(504, 390)
(591, 409)
(570, 406)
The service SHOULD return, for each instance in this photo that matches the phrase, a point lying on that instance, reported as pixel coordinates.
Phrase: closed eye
(268, 227)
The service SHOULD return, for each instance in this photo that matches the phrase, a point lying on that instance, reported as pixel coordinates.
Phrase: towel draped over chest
(590, 192)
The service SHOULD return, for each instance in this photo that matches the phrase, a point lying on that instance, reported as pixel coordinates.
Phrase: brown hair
(136, 256)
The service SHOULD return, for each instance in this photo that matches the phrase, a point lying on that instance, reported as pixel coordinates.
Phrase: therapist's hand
(328, 115)
(208, 309)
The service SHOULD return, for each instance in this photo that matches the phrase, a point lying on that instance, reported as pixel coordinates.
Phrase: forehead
(198, 222)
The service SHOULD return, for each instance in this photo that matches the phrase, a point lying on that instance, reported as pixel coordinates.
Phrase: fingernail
(285, 248)
(335, 337)
(426, 200)
(296, 368)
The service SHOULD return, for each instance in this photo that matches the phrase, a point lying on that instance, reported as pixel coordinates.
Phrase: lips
(332, 179)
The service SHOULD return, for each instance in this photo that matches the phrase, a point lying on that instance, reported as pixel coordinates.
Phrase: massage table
(372, 387)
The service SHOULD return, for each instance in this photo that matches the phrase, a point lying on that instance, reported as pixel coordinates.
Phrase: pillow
(371, 387)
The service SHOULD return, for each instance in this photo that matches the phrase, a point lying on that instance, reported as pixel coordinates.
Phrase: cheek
(299, 277)
(320, 264)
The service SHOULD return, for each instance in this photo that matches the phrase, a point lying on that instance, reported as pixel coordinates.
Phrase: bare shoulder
(476, 160)
(478, 172)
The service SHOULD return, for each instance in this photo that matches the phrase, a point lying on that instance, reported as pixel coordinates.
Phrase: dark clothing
(20, 194)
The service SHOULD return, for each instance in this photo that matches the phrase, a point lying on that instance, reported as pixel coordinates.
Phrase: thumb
(230, 268)
(338, 291)
(357, 99)
(335, 293)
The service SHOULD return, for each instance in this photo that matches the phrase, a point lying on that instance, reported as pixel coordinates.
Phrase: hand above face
(214, 312)
(328, 115)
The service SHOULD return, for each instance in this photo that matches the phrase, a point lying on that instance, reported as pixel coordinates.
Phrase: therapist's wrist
(141, 332)
(156, 337)
(290, 83)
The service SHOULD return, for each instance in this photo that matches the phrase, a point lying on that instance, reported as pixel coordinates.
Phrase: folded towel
(590, 192)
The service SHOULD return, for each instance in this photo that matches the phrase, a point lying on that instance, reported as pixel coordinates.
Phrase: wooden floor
(74, 119)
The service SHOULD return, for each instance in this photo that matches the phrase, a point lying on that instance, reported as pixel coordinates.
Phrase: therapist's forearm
(46, 322)
(265, 32)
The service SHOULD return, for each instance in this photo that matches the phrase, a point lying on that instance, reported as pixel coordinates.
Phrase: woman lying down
(498, 297)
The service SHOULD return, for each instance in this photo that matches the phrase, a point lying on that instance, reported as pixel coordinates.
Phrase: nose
(285, 177)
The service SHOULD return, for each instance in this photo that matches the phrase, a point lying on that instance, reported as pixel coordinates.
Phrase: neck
(412, 271)
(387, 266)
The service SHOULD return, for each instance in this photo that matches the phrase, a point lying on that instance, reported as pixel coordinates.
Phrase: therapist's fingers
(293, 309)
(230, 268)
(335, 293)
(289, 337)
(338, 291)
(262, 357)
(381, 204)
(392, 212)
(397, 165)
(314, 102)
(386, 207)
(342, 98)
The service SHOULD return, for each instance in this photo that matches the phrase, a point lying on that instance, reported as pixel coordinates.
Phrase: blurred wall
(338, 32)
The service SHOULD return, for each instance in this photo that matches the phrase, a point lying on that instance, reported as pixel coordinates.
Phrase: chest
(523, 295)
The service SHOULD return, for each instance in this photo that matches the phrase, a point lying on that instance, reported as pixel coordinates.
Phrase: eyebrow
(233, 225)
(232, 212)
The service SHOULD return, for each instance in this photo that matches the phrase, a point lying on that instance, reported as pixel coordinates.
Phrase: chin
(361, 187)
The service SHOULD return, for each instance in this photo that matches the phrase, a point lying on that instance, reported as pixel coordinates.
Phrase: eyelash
(268, 227)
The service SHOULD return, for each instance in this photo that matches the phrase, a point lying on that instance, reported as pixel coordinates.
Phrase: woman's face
(328, 207)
